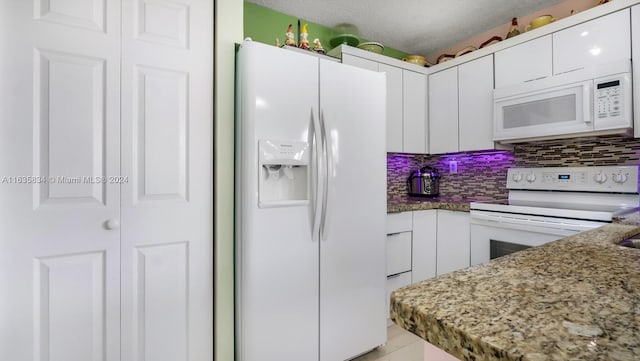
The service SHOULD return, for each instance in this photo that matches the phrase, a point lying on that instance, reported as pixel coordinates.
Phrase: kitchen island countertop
(577, 298)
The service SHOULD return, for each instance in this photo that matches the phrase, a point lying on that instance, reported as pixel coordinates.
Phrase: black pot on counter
(424, 182)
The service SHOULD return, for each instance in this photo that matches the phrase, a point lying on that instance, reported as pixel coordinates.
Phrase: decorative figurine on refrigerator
(317, 46)
(304, 42)
(290, 39)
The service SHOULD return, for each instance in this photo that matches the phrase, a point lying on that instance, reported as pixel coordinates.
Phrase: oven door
(495, 234)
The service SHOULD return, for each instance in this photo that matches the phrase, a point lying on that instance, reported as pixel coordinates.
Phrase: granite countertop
(577, 298)
(406, 203)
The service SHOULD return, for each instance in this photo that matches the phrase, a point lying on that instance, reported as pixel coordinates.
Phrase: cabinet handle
(111, 224)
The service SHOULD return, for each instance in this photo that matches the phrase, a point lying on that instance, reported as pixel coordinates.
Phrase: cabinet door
(635, 27)
(398, 253)
(524, 62)
(393, 283)
(454, 245)
(359, 62)
(602, 40)
(443, 111)
(394, 107)
(475, 104)
(414, 100)
(424, 245)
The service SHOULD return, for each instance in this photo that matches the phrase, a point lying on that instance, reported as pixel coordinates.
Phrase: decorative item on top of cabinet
(317, 46)
(514, 29)
(444, 57)
(466, 50)
(493, 40)
(304, 41)
(290, 37)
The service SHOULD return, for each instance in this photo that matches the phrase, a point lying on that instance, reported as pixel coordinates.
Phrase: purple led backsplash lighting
(479, 175)
(483, 175)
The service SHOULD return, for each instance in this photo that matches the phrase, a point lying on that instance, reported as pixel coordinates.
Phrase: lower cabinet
(399, 257)
(425, 225)
(425, 244)
(454, 242)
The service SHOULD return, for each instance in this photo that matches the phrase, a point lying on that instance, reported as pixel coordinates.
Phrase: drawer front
(399, 222)
(398, 253)
(395, 282)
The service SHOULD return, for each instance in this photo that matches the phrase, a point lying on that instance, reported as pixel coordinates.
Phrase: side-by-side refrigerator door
(277, 257)
(352, 232)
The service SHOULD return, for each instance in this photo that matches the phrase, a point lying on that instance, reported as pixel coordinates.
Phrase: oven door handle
(513, 222)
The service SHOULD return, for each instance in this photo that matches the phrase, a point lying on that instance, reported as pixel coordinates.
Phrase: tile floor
(401, 346)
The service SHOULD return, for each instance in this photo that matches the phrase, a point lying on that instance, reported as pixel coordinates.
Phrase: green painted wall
(265, 25)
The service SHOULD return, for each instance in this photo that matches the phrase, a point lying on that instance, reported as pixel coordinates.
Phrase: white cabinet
(399, 243)
(424, 245)
(406, 102)
(461, 107)
(524, 62)
(414, 106)
(395, 124)
(443, 111)
(454, 244)
(398, 253)
(635, 46)
(602, 40)
(475, 104)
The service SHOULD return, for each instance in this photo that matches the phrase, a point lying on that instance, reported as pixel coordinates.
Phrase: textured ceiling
(412, 26)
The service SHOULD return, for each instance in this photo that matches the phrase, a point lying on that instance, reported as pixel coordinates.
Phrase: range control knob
(517, 177)
(600, 178)
(620, 178)
(531, 178)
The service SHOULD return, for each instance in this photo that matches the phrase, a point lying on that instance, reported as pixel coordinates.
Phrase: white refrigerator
(310, 207)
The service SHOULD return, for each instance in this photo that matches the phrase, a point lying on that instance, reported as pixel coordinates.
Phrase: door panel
(70, 333)
(352, 250)
(61, 129)
(166, 188)
(160, 134)
(277, 258)
(161, 296)
(57, 76)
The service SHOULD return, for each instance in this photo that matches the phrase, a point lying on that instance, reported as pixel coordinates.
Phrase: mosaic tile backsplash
(483, 174)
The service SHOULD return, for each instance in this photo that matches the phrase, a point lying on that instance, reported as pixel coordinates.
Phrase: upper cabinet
(461, 107)
(475, 104)
(414, 111)
(406, 103)
(602, 40)
(524, 62)
(443, 111)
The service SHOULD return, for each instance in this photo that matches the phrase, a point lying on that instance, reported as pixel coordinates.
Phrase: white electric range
(546, 204)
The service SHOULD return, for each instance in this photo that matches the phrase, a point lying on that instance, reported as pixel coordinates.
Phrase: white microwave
(594, 101)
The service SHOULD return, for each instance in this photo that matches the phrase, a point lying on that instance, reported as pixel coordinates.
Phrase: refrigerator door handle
(327, 173)
(318, 153)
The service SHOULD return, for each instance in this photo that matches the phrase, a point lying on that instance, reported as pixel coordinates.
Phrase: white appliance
(590, 101)
(311, 207)
(546, 204)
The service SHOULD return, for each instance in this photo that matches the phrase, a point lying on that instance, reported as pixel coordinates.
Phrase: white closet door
(59, 136)
(167, 272)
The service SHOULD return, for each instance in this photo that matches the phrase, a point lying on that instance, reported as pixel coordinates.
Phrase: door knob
(112, 224)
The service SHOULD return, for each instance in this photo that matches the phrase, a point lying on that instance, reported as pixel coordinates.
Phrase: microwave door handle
(587, 95)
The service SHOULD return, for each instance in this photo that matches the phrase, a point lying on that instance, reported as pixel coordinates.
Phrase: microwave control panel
(608, 99)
